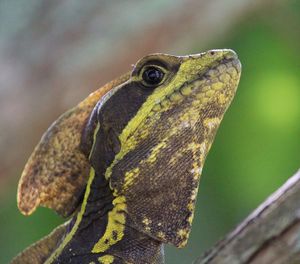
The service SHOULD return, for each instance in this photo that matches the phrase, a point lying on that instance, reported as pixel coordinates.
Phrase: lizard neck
(103, 232)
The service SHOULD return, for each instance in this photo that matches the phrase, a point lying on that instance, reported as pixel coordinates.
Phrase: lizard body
(145, 140)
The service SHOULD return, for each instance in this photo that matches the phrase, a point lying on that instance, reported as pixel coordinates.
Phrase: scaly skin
(146, 144)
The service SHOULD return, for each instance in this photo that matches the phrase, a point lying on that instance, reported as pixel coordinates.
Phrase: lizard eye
(152, 76)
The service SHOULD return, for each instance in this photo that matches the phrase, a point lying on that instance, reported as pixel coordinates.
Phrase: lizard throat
(102, 229)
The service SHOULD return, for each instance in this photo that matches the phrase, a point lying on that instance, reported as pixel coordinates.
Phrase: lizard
(124, 164)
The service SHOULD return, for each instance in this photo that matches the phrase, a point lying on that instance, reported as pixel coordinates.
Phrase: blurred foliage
(256, 149)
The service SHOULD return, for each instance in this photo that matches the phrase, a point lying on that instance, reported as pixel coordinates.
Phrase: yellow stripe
(107, 259)
(69, 236)
(94, 139)
(127, 144)
(161, 98)
(115, 226)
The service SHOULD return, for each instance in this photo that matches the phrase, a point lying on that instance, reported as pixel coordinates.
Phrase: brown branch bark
(271, 234)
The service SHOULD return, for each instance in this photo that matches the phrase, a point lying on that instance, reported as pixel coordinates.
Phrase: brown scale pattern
(57, 170)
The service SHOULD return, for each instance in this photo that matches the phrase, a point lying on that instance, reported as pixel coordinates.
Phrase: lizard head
(137, 147)
(153, 133)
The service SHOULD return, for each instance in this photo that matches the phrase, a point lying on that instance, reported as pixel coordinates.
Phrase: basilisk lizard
(125, 163)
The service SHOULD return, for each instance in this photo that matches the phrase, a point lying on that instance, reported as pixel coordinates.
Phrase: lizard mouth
(218, 82)
(215, 76)
(227, 67)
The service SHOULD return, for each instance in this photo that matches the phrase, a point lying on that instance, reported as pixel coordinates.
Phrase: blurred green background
(54, 54)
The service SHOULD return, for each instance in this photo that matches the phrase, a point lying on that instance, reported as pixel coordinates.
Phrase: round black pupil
(153, 76)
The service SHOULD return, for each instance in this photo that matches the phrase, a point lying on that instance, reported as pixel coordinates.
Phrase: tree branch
(271, 234)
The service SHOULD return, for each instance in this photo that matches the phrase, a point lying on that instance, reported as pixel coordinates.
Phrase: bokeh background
(54, 53)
